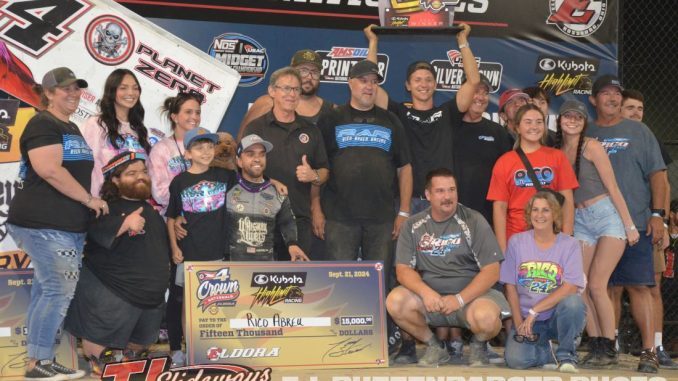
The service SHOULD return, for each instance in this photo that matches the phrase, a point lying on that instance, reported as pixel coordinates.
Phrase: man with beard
(310, 106)
(255, 208)
(120, 297)
(300, 160)
(509, 103)
(639, 168)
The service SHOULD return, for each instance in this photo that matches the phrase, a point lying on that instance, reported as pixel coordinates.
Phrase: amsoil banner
(283, 314)
(559, 45)
(94, 37)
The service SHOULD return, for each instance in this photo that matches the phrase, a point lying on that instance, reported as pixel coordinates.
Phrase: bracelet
(655, 214)
(317, 177)
(533, 313)
(403, 214)
(460, 300)
(89, 199)
(462, 46)
(630, 228)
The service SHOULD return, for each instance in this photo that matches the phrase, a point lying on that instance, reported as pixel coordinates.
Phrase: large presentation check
(286, 314)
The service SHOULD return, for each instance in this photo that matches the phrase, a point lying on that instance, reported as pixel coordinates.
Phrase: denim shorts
(636, 267)
(598, 220)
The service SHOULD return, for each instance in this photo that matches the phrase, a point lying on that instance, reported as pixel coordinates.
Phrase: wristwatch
(658, 213)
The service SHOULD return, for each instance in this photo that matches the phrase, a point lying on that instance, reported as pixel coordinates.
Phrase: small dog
(224, 157)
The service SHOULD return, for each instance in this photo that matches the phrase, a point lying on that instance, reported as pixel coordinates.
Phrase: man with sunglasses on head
(309, 65)
(300, 160)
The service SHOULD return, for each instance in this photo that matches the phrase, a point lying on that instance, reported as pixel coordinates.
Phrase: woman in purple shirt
(543, 276)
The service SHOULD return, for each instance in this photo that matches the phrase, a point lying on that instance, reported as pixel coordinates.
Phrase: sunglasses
(526, 338)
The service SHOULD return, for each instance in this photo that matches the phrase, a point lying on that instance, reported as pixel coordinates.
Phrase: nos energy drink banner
(560, 45)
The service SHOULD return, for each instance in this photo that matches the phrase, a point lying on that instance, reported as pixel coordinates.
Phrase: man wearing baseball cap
(509, 103)
(638, 166)
(367, 150)
(255, 209)
(309, 65)
(300, 162)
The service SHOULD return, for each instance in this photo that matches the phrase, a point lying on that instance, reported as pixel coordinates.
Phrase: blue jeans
(56, 257)
(565, 325)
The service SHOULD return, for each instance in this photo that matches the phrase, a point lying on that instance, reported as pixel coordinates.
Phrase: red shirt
(511, 183)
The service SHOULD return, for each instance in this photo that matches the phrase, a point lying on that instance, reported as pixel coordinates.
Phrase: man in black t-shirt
(478, 143)
(429, 128)
(367, 148)
(120, 297)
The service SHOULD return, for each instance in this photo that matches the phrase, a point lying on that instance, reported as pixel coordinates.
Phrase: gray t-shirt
(634, 153)
(440, 251)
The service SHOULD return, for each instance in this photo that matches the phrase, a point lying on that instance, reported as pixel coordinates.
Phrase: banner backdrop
(282, 314)
(560, 45)
(94, 37)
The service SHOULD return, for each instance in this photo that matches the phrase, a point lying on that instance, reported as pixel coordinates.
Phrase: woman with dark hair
(48, 216)
(511, 186)
(542, 274)
(167, 158)
(120, 125)
(602, 223)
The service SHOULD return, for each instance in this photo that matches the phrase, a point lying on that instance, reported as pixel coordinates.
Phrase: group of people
(317, 181)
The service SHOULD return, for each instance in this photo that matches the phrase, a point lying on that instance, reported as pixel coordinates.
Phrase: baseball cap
(121, 159)
(573, 105)
(61, 77)
(509, 95)
(603, 81)
(419, 65)
(306, 56)
(483, 80)
(250, 140)
(199, 133)
(364, 67)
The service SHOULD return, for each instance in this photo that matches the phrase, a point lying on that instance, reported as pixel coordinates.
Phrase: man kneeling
(447, 260)
(120, 297)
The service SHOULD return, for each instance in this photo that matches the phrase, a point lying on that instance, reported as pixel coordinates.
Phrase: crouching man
(120, 297)
(447, 261)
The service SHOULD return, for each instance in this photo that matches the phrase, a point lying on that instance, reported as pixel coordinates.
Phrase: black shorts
(98, 315)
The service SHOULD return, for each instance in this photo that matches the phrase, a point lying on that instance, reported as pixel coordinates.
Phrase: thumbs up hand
(305, 173)
(135, 223)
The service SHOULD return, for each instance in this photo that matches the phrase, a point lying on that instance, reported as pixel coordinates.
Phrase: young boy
(198, 197)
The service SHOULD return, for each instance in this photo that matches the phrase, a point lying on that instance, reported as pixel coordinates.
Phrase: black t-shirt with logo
(291, 141)
(430, 136)
(133, 266)
(365, 148)
(201, 199)
(477, 146)
(37, 204)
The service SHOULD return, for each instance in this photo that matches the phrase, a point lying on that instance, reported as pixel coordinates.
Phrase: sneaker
(71, 374)
(494, 357)
(455, 348)
(434, 356)
(478, 353)
(664, 358)
(178, 359)
(407, 354)
(43, 371)
(648, 361)
(567, 366)
(97, 364)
